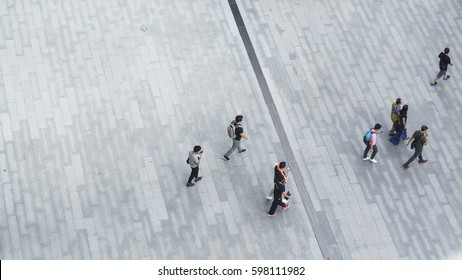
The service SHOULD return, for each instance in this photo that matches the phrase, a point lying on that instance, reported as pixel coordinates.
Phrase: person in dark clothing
(194, 159)
(400, 127)
(239, 133)
(279, 176)
(421, 138)
(445, 60)
(280, 179)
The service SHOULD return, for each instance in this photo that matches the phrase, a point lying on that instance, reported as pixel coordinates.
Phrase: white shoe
(284, 201)
(269, 197)
(373, 160)
(366, 158)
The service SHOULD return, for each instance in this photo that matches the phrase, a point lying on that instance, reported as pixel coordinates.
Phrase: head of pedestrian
(239, 118)
(197, 149)
(282, 164)
(424, 127)
(398, 101)
(446, 50)
(404, 109)
(377, 128)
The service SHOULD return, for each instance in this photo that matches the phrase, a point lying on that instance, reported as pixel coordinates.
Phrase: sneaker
(197, 179)
(423, 161)
(433, 84)
(242, 151)
(366, 158)
(269, 215)
(405, 166)
(189, 184)
(225, 158)
(372, 160)
(269, 197)
(284, 200)
(286, 207)
(447, 77)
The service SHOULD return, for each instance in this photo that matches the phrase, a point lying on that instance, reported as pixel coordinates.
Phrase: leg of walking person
(395, 138)
(194, 173)
(366, 151)
(236, 144)
(440, 74)
(375, 151)
(274, 206)
(417, 152)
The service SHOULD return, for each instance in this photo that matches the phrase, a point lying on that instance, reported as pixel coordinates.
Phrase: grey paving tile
(97, 116)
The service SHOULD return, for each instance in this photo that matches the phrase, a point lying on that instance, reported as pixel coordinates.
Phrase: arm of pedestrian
(410, 140)
(243, 135)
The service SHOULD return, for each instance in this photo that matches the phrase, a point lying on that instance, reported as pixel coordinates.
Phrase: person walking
(401, 127)
(194, 160)
(445, 60)
(280, 181)
(370, 139)
(236, 132)
(418, 139)
(394, 115)
(278, 176)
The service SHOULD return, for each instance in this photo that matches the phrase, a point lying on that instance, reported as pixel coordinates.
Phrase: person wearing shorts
(445, 60)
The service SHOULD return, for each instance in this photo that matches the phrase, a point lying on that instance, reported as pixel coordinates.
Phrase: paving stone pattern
(334, 68)
(101, 100)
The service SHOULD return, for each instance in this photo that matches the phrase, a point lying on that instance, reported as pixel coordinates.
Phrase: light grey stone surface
(101, 100)
(335, 67)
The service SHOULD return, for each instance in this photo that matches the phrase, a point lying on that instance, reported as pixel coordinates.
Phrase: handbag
(414, 142)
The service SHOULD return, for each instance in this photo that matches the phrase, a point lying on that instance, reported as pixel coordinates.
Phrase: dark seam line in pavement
(305, 197)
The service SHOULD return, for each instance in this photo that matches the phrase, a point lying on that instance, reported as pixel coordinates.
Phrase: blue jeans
(404, 134)
(398, 136)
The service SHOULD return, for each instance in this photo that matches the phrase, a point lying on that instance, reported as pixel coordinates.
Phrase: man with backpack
(236, 132)
(370, 139)
(418, 139)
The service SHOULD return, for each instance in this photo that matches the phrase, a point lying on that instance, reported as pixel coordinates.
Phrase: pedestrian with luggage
(445, 60)
(370, 139)
(418, 140)
(236, 133)
(401, 127)
(194, 160)
(394, 115)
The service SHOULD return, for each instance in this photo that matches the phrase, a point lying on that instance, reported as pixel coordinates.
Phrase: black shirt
(238, 132)
(420, 139)
(400, 126)
(278, 177)
(278, 190)
(444, 61)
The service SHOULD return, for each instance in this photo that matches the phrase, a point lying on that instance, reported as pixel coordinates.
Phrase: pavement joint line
(287, 149)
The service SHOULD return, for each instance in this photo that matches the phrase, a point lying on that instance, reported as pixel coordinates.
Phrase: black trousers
(374, 151)
(417, 153)
(277, 201)
(194, 174)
